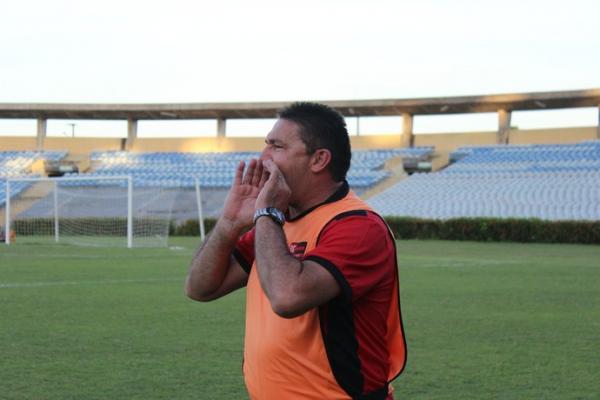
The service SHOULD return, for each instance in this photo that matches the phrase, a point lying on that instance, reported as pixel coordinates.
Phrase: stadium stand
(549, 182)
(176, 173)
(15, 164)
(546, 181)
(584, 156)
(216, 170)
(535, 176)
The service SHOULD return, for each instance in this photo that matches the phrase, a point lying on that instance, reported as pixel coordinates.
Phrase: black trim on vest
(339, 194)
(341, 345)
(246, 266)
(382, 391)
(339, 337)
(362, 213)
(399, 307)
(378, 394)
(337, 275)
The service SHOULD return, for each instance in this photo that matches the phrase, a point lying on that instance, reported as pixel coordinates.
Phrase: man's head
(321, 127)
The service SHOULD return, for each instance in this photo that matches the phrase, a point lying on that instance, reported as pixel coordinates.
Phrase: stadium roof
(382, 107)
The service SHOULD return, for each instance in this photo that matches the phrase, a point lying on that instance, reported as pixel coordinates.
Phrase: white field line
(18, 285)
(441, 262)
(85, 256)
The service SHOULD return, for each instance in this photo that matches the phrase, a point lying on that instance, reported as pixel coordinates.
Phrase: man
(322, 310)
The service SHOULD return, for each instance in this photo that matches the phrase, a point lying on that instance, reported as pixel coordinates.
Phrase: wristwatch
(274, 213)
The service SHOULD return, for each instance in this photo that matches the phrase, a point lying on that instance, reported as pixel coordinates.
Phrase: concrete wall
(376, 142)
(219, 144)
(72, 145)
(443, 142)
(8, 143)
(446, 142)
(552, 136)
(208, 144)
(82, 145)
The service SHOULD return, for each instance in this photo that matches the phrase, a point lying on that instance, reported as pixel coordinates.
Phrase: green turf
(483, 321)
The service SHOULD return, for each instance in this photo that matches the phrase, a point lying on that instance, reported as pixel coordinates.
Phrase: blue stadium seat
(553, 182)
(216, 170)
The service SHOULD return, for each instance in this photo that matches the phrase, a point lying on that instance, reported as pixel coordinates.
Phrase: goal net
(88, 211)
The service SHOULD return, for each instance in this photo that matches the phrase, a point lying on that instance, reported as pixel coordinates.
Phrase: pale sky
(232, 50)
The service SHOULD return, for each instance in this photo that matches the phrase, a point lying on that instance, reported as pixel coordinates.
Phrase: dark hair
(321, 127)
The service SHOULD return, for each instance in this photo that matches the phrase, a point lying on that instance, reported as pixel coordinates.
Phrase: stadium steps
(29, 197)
(37, 167)
(82, 161)
(440, 160)
(395, 167)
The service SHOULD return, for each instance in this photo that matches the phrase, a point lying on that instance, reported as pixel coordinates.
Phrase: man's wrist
(228, 229)
(266, 218)
(271, 212)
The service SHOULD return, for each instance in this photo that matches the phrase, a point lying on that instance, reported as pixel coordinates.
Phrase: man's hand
(213, 271)
(241, 201)
(275, 192)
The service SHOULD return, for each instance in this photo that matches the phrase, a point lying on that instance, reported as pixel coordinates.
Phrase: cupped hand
(275, 192)
(240, 203)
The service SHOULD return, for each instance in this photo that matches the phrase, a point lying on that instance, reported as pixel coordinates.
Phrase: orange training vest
(286, 358)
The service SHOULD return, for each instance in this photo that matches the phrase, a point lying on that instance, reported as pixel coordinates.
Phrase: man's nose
(265, 154)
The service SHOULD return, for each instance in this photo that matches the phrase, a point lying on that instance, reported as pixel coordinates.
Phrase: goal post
(7, 214)
(200, 211)
(88, 210)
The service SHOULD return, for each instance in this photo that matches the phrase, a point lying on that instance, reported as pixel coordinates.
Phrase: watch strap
(274, 213)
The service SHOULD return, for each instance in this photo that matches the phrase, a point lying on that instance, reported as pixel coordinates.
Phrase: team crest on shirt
(297, 249)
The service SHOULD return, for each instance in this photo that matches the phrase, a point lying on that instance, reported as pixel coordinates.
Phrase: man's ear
(320, 160)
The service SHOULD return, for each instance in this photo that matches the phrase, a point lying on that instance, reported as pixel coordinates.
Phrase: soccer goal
(88, 211)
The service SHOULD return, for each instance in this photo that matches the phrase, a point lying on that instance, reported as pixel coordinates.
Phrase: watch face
(276, 213)
(270, 212)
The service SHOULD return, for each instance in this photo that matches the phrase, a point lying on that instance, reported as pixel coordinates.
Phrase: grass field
(483, 321)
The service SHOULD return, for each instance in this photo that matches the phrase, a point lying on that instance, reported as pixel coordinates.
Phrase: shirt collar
(339, 194)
